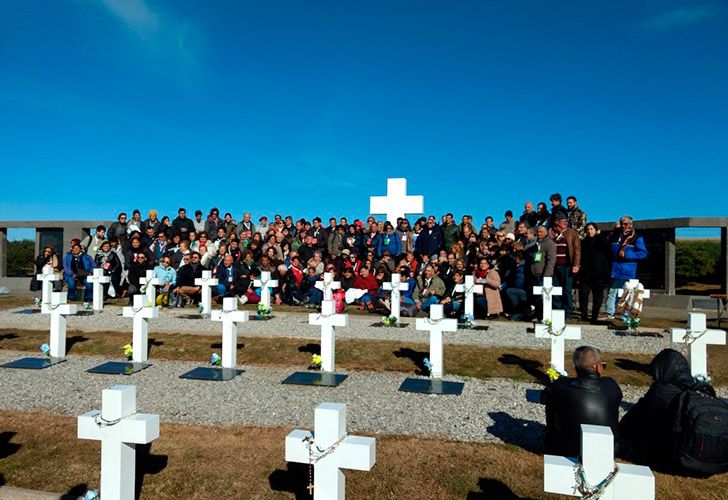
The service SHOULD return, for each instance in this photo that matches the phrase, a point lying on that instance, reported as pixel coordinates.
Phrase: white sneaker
(243, 299)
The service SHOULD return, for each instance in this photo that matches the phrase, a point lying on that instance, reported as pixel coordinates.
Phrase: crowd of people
(432, 256)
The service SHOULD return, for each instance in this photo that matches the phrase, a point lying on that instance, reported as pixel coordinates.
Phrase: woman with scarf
(109, 261)
(626, 252)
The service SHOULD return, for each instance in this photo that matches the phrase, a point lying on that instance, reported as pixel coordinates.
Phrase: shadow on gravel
(310, 348)
(6, 447)
(75, 492)
(417, 357)
(153, 343)
(147, 464)
(72, 341)
(294, 480)
(218, 345)
(634, 366)
(526, 434)
(2, 479)
(531, 366)
(8, 336)
(492, 489)
(28, 311)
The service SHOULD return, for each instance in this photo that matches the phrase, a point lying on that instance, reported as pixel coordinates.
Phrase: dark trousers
(595, 287)
(564, 279)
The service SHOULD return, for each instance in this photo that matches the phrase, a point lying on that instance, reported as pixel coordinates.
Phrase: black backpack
(700, 432)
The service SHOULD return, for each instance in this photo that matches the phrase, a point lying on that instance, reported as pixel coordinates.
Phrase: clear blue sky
(305, 108)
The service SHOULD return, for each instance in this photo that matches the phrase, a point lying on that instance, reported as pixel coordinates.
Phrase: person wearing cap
(263, 223)
(152, 221)
(568, 260)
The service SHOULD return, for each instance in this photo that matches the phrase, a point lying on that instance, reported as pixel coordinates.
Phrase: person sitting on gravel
(590, 398)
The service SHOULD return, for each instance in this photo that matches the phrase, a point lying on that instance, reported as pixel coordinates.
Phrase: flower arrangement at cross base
(468, 320)
(555, 374)
(703, 378)
(128, 351)
(201, 308)
(631, 322)
(389, 320)
(428, 365)
(45, 349)
(264, 311)
(316, 362)
(215, 359)
(91, 495)
(37, 302)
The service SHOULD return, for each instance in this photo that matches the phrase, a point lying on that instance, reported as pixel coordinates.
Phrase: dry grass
(372, 355)
(41, 451)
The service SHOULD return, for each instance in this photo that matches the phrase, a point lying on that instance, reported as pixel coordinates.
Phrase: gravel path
(487, 410)
(295, 324)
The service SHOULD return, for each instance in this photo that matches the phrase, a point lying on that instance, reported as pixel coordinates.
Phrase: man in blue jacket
(77, 266)
(626, 252)
(430, 240)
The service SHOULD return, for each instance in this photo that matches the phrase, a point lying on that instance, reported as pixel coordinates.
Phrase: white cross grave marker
(230, 317)
(58, 309)
(98, 279)
(47, 277)
(547, 291)
(470, 289)
(558, 332)
(328, 319)
(396, 285)
(119, 428)
(436, 324)
(140, 326)
(698, 336)
(397, 203)
(265, 284)
(344, 452)
(150, 282)
(632, 287)
(206, 282)
(328, 285)
(635, 482)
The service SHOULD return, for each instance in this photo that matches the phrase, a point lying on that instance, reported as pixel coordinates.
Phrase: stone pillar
(670, 261)
(723, 263)
(3, 251)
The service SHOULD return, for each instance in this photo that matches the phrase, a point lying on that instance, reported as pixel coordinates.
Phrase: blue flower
(45, 349)
(215, 359)
(427, 364)
(91, 495)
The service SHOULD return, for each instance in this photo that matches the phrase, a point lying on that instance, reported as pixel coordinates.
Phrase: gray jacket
(545, 268)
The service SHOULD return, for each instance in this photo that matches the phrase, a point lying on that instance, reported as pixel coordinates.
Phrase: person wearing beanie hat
(152, 221)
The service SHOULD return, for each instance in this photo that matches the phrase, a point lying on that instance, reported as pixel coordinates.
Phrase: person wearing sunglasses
(589, 398)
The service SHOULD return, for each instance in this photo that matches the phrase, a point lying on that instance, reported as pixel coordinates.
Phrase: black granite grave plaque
(33, 363)
(212, 373)
(324, 379)
(431, 386)
(119, 368)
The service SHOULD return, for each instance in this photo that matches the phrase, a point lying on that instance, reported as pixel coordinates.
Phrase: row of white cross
(329, 450)
(697, 335)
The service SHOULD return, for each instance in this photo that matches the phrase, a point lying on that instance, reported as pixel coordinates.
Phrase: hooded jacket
(645, 429)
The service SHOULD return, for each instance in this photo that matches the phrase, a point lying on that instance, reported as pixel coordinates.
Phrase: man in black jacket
(590, 398)
(182, 225)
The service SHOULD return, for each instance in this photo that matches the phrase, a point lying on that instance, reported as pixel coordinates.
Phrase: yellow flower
(553, 374)
(316, 360)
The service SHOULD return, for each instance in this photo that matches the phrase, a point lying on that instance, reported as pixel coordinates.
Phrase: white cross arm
(64, 309)
(403, 286)
(333, 320)
(559, 478)
(141, 428)
(234, 316)
(206, 281)
(444, 325)
(357, 453)
(144, 312)
(296, 450)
